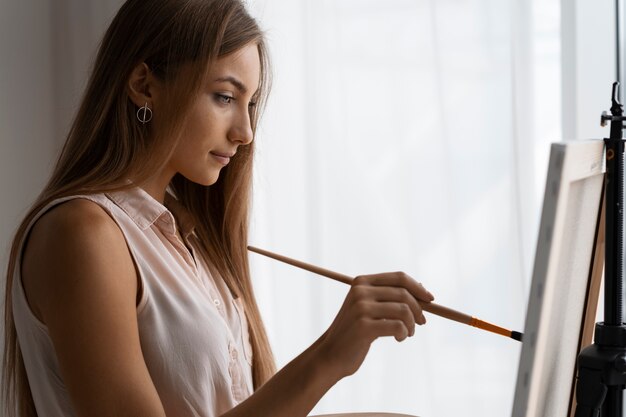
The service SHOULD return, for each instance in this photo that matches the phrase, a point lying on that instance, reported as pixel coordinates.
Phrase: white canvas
(561, 274)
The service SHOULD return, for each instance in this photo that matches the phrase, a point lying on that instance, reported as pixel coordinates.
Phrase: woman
(128, 286)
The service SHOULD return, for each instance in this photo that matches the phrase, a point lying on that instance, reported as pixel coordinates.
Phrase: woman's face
(219, 120)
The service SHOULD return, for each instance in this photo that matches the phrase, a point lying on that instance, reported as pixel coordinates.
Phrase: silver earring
(145, 116)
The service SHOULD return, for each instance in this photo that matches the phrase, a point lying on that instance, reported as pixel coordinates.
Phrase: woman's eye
(224, 99)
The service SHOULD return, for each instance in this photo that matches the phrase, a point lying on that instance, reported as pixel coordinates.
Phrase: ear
(142, 86)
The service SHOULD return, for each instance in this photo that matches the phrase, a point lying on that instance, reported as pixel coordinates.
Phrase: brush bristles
(516, 335)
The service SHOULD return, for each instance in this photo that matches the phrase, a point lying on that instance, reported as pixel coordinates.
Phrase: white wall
(27, 102)
(588, 66)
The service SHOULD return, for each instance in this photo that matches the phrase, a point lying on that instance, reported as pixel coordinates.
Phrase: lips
(224, 160)
(224, 154)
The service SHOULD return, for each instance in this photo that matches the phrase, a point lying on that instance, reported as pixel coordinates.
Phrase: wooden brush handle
(446, 312)
(432, 308)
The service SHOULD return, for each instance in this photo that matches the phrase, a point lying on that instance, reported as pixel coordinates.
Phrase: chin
(206, 181)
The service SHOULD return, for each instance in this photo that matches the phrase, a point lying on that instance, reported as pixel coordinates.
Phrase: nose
(241, 129)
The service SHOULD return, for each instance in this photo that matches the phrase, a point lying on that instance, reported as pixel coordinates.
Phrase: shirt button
(217, 302)
(233, 354)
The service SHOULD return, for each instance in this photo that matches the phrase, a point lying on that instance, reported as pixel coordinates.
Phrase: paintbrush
(433, 308)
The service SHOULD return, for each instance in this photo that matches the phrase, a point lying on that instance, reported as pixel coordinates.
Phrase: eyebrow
(234, 81)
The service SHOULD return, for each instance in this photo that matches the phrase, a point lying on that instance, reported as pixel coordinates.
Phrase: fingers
(381, 328)
(396, 279)
(387, 304)
(390, 311)
(398, 295)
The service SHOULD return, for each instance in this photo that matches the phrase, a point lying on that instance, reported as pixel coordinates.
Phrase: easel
(601, 366)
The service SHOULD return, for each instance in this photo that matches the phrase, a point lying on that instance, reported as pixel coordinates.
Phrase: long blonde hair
(105, 146)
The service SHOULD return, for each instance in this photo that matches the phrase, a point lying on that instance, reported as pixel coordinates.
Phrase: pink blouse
(194, 334)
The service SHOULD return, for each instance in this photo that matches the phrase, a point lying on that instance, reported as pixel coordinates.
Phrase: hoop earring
(147, 114)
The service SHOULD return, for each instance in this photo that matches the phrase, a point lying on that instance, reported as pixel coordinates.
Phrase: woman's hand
(377, 305)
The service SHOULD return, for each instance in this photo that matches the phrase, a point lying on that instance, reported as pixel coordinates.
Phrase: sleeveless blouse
(194, 334)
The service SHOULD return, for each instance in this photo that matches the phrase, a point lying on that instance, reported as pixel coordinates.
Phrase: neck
(156, 186)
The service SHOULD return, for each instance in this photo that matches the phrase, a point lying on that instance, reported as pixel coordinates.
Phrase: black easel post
(619, 34)
(614, 258)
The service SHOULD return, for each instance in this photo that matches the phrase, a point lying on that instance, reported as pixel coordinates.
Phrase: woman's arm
(293, 391)
(80, 280)
(376, 306)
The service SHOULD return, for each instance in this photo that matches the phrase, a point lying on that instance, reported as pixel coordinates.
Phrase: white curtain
(407, 135)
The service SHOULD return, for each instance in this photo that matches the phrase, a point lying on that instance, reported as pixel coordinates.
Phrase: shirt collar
(145, 210)
(185, 220)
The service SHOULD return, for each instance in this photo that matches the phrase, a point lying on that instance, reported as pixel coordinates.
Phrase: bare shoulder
(70, 219)
(79, 277)
(73, 242)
